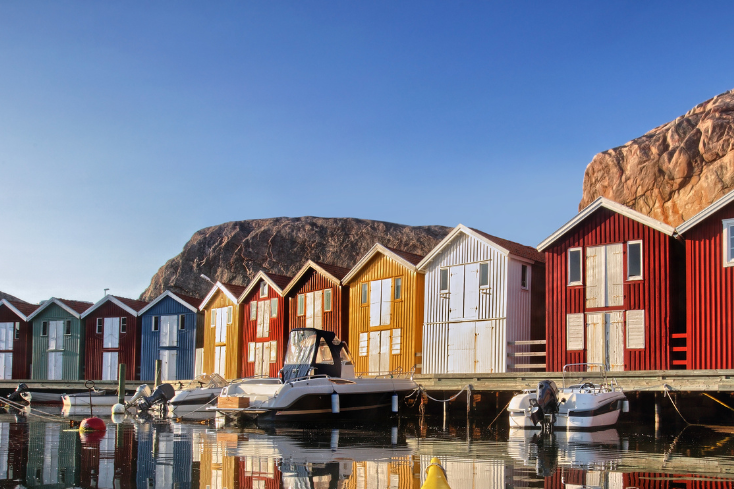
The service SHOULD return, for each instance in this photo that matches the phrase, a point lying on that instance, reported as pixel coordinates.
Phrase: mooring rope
(192, 412)
(714, 399)
(667, 393)
(450, 398)
(47, 416)
(499, 413)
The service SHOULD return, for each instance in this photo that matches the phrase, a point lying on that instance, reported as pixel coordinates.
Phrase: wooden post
(158, 365)
(657, 414)
(468, 404)
(121, 383)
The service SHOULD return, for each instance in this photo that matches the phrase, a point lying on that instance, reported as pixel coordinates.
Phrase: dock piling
(158, 364)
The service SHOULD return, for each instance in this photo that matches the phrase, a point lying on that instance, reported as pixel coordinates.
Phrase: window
(100, 325)
(444, 280)
(273, 308)
(182, 322)
(398, 290)
(67, 330)
(363, 342)
(253, 310)
(365, 294)
(156, 323)
(634, 260)
(574, 266)
(728, 242)
(524, 277)
(263, 289)
(17, 331)
(483, 275)
(123, 325)
(44, 328)
(301, 305)
(327, 300)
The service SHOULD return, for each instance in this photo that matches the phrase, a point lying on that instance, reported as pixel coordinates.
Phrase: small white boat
(99, 398)
(579, 406)
(317, 382)
(45, 398)
(198, 392)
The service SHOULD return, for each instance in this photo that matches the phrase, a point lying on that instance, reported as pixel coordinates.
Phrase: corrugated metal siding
(128, 351)
(16, 462)
(709, 295)
(46, 442)
(406, 314)
(277, 330)
(72, 367)
(336, 320)
(22, 352)
(150, 340)
(233, 359)
(653, 294)
(395, 472)
(518, 309)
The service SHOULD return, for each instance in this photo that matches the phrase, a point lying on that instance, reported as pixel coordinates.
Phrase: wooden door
(379, 352)
(220, 355)
(168, 365)
(386, 302)
(375, 302)
(265, 368)
(56, 335)
(615, 275)
(111, 333)
(471, 291)
(614, 326)
(384, 352)
(109, 365)
(55, 365)
(488, 350)
(6, 366)
(456, 292)
(309, 310)
(595, 276)
(595, 341)
(461, 348)
(7, 331)
(318, 309)
(169, 330)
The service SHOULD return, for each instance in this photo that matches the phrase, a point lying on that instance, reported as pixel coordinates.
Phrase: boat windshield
(301, 347)
(344, 354)
(323, 354)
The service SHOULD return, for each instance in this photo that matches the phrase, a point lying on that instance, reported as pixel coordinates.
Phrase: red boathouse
(112, 337)
(264, 332)
(614, 290)
(709, 242)
(15, 339)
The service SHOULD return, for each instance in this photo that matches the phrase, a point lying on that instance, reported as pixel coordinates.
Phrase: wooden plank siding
(277, 330)
(20, 347)
(406, 313)
(656, 293)
(335, 320)
(233, 343)
(74, 345)
(128, 349)
(709, 295)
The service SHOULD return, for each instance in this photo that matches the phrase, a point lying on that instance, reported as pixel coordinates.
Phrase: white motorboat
(98, 398)
(317, 382)
(579, 406)
(202, 390)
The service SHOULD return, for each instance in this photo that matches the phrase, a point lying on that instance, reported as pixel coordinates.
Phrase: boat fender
(395, 403)
(335, 403)
(625, 406)
(436, 476)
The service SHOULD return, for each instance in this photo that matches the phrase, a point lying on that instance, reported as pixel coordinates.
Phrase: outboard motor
(545, 407)
(20, 395)
(161, 395)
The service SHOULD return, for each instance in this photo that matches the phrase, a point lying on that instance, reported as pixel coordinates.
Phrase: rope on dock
(445, 400)
(46, 416)
(667, 393)
(499, 413)
(192, 412)
(714, 399)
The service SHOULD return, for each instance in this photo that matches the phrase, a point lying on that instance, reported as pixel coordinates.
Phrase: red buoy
(92, 424)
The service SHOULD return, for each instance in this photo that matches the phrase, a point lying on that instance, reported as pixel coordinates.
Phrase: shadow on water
(147, 453)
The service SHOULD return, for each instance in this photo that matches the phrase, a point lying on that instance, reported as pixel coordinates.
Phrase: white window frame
(526, 267)
(728, 251)
(301, 305)
(263, 289)
(331, 306)
(156, 324)
(364, 294)
(642, 251)
(230, 310)
(123, 325)
(395, 288)
(16, 334)
(441, 271)
(100, 325)
(273, 307)
(44, 324)
(581, 266)
(363, 344)
(67, 327)
(253, 310)
(485, 286)
(181, 322)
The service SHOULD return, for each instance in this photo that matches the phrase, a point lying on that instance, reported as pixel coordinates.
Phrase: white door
(221, 331)
(169, 331)
(375, 302)
(111, 333)
(309, 310)
(461, 348)
(471, 291)
(386, 302)
(615, 275)
(318, 309)
(615, 341)
(488, 350)
(258, 360)
(56, 335)
(220, 355)
(6, 366)
(55, 365)
(168, 364)
(595, 276)
(109, 365)
(456, 292)
(595, 340)
(384, 352)
(265, 366)
(7, 331)
(374, 352)
(51, 453)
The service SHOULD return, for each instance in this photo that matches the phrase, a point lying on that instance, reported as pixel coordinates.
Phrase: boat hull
(581, 412)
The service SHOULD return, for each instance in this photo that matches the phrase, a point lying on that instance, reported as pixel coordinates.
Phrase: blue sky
(125, 127)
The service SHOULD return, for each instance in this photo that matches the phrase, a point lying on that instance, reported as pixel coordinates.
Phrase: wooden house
(58, 340)
(265, 325)
(223, 331)
(112, 337)
(709, 244)
(613, 290)
(318, 299)
(16, 339)
(171, 324)
(385, 310)
(482, 294)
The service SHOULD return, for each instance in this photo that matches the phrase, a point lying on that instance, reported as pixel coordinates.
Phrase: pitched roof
(20, 308)
(406, 259)
(614, 207)
(705, 213)
(232, 291)
(190, 303)
(132, 306)
(75, 308)
(515, 248)
(332, 272)
(279, 282)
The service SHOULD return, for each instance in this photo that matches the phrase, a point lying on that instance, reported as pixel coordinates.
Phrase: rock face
(673, 171)
(235, 251)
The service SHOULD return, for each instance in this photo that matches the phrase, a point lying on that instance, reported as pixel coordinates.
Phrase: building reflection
(170, 462)
(14, 453)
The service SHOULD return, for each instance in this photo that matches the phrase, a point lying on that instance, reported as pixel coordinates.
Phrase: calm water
(158, 453)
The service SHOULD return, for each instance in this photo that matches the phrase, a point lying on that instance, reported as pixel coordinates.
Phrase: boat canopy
(314, 352)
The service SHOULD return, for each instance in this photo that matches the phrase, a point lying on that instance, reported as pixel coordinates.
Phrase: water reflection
(163, 453)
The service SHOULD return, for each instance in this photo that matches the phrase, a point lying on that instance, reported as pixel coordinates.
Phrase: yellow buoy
(436, 478)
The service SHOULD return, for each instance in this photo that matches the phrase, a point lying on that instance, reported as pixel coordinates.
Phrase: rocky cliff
(673, 171)
(235, 251)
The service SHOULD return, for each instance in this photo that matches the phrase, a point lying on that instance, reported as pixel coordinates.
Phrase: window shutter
(594, 276)
(309, 310)
(273, 351)
(574, 331)
(456, 292)
(635, 329)
(396, 341)
(173, 331)
(363, 342)
(213, 322)
(375, 302)
(253, 310)
(318, 309)
(615, 276)
(229, 315)
(260, 320)
(266, 318)
(386, 302)
(251, 352)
